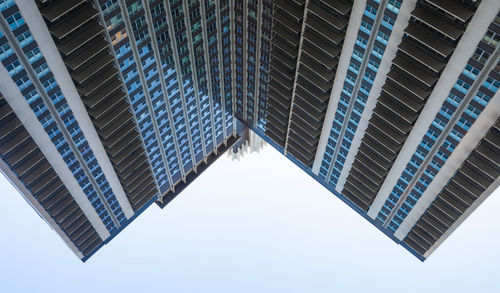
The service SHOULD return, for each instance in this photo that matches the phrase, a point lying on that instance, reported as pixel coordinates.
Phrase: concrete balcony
(80, 37)
(59, 9)
(339, 23)
(394, 93)
(81, 16)
(414, 71)
(437, 22)
(454, 8)
(398, 109)
(85, 53)
(293, 8)
(324, 29)
(325, 73)
(314, 78)
(427, 39)
(24, 157)
(339, 6)
(97, 79)
(326, 60)
(417, 53)
(94, 65)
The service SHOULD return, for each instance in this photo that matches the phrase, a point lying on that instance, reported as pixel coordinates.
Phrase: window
(34, 55)
(446, 112)
(108, 6)
(365, 89)
(50, 84)
(15, 20)
(480, 55)
(369, 77)
(439, 123)
(462, 86)
(388, 22)
(427, 144)
(464, 123)
(455, 134)
(24, 39)
(347, 91)
(366, 27)
(382, 37)
(42, 70)
(414, 162)
(361, 42)
(435, 164)
(370, 11)
(491, 38)
(114, 21)
(179, 25)
(157, 10)
(120, 35)
(471, 71)
(23, 82)
(491, 84)
(373, 65)
(14, 67)
(453, 99)
(138, 23)
(394, 5)
(5, 51)
(448, 145)
(357, 55)
(350, 79)
(472, 111)
(482, 98)
(354, 68)
(378, 52)
(133, 8)
(177, 12)
(4, 4)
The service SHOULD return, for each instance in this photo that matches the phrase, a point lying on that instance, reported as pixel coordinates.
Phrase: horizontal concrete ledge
(200, 168)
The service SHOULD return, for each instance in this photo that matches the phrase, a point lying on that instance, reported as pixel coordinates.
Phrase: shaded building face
(111, 105)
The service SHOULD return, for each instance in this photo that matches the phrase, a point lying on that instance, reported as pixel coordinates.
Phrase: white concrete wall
(383, 70)
(358, 8)
(484, 122)
(49, 50)
(22, 109)
(4, 168)
(486, 12)
(465, 215)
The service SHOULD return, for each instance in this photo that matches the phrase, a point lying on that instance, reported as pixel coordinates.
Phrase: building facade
(108, 106)
(382, 101)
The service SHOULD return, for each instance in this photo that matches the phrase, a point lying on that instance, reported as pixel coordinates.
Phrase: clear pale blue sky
(257, 225)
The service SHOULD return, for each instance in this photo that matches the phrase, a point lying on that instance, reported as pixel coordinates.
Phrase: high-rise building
(110, 105)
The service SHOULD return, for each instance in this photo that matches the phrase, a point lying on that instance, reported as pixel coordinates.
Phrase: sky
(255, 225)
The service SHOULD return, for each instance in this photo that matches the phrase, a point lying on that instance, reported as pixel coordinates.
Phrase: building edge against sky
(107, 112)
(109, 106)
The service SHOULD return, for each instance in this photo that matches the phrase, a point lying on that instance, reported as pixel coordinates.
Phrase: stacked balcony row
(428, 43)
(285, 41)
(78, 34)
(211, 157)
(323, 36)
(20, 152)
(474, 176)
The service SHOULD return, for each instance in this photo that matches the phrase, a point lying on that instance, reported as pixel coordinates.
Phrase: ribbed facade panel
(89, 63)
(472, 179)
(468, 98)
(24, 158)
(412, 79)
(168, 86)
